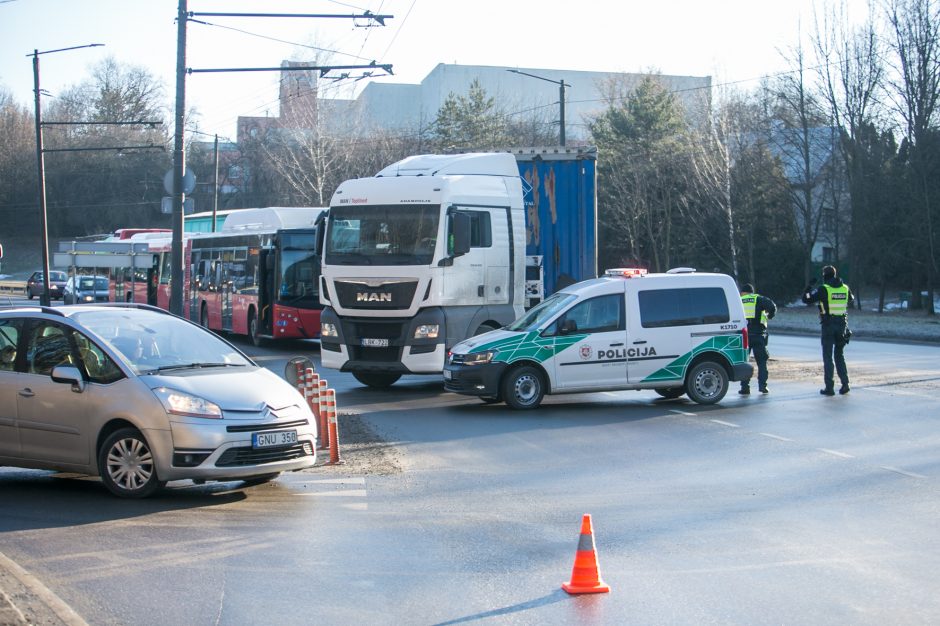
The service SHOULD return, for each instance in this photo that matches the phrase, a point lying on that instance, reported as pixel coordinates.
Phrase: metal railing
(13, 287)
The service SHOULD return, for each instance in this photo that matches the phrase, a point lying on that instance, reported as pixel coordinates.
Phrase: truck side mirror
(458, 237)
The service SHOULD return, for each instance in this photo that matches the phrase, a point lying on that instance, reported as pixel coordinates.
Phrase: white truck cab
(679, 332)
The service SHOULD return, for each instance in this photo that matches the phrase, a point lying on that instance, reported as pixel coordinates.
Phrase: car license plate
(448, 375)
(270, 440)
(374, 343)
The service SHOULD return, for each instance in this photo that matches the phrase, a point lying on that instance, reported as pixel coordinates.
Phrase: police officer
(834, 299)
(757, 309)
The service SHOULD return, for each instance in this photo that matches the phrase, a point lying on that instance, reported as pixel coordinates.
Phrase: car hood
(477, 341)
(242, 389)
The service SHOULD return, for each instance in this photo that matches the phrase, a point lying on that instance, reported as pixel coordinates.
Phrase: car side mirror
(69, 374)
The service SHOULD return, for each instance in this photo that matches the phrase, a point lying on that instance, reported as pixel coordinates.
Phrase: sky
(731, 40)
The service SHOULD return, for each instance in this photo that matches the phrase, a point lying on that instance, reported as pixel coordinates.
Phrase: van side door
(597, 357)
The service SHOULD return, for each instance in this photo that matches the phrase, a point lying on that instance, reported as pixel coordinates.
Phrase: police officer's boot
(828, 391)
(844, 389)
(745, 390)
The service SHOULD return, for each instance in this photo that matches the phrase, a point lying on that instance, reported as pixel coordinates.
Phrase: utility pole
(179, 164)
(215, 195)
(561, 101)
(44, 299)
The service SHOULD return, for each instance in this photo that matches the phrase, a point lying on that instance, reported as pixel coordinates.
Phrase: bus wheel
(204, 316)
(377, 379)
(256, 339)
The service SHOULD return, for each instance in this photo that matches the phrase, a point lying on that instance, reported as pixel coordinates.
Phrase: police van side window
(597, 315)
(662, 308)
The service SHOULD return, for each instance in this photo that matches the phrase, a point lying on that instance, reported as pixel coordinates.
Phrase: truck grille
(361, 295)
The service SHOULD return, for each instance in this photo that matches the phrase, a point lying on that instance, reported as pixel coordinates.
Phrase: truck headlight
(328, 330)
(180, 403)
(427, 331)
(478, 358)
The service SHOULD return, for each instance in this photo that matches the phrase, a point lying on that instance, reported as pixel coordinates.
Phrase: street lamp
(44, 298)
(561, 101)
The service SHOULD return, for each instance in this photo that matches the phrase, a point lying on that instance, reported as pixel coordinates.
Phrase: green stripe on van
(529, 346)
(728, 345)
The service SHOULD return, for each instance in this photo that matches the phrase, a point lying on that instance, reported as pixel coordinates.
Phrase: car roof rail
(133, 305)
(31, 307)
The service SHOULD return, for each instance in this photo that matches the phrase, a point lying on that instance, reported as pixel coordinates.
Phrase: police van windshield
(544, 311)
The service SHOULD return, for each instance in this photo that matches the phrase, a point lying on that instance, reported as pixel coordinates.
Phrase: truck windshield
(401, 234)
(545, 310)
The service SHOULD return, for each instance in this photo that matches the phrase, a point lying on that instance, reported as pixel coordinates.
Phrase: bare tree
(916, 46)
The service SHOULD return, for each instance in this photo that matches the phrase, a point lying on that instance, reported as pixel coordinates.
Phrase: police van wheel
(523, 388)
(376, 379)
(707, 382)
(670, 392)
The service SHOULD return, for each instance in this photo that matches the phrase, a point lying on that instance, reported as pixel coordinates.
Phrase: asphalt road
(786, 508)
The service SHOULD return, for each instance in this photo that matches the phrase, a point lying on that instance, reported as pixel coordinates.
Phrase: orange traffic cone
(586, 574)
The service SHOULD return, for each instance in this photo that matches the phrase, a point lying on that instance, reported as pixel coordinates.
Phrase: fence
(13, 287)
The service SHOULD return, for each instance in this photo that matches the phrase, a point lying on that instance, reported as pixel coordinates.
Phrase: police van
(680, 332)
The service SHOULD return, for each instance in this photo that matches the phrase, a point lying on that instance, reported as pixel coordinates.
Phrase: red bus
(259, 276)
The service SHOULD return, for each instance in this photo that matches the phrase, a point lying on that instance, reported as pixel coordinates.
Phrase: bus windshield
(299, 268)
(382, 235)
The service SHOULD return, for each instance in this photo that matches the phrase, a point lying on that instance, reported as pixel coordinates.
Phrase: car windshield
(542, 312)
(60, 276)
(152, 342)
(89, 284)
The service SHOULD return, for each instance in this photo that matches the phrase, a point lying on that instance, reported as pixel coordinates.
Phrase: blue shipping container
(561, 212)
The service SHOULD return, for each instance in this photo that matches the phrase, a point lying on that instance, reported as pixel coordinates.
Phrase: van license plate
(270, 440)
(374, 343)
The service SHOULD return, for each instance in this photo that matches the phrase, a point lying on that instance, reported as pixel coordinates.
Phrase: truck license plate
(270, 440)
(374, 343)
(448, 375)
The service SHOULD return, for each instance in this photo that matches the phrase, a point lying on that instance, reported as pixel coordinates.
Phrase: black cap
(747, 288)
(829, 272)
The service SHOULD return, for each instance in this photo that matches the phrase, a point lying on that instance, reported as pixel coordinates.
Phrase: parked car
(82, 289)
(141, 397)
(34, 286)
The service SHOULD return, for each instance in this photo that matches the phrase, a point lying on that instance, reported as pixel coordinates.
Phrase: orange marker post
(323, 426)
(334, 428)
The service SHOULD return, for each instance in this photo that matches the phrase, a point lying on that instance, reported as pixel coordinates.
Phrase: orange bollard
(586, 573)
(323, 426)
(334, 428)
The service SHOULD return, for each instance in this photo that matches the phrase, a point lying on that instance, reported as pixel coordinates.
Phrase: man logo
(585, 353)
(373, 297)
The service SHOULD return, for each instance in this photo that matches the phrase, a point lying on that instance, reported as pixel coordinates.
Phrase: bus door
(266, 287)
(224, 285)
(152, 278)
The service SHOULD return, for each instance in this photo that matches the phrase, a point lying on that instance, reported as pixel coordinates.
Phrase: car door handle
(27, 392)
(639, 342)
(614, 345)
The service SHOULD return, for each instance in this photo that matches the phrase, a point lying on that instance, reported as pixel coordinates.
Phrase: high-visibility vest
(838, 300)
(750, 308)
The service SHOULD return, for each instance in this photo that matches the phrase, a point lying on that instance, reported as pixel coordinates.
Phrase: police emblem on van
(585, 352)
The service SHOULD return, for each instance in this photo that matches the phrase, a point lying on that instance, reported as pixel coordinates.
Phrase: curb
(25, 601)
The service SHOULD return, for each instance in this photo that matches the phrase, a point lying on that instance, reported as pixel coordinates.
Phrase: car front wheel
(707, 382)
(523, 387)
(126, 465)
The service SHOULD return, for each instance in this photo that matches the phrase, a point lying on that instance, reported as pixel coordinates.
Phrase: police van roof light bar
(626, 272)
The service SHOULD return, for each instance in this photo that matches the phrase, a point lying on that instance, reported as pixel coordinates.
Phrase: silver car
(141, 397)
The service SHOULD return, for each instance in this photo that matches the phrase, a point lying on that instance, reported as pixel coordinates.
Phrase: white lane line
(350, 493)
(902, 472)
(355, 506)
(330, 481)
(900, 392)
(836, 453)
(726, 424)
(678, 412)
(777, 437)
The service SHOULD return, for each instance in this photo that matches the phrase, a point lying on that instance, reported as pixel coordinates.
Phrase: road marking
(836, 453)
(726, 424)
(330, 481)
(352, 493)
(777, 437)
(678, 412)
(902, 472)
(900, 392)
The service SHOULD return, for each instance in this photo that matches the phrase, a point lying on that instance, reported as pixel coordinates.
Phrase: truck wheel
(377, 379)
(670, 392)
(706, 382)
(523, 387)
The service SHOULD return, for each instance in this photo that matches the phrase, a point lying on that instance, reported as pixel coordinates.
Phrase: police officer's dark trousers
(833, 343)
(757, 340)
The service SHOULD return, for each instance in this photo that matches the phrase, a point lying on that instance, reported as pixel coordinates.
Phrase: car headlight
(328, 330)
(427, 331)
(179, 403)
(87, 298)
(478, 358)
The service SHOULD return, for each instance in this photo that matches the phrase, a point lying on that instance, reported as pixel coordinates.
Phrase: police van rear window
(660, 308)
